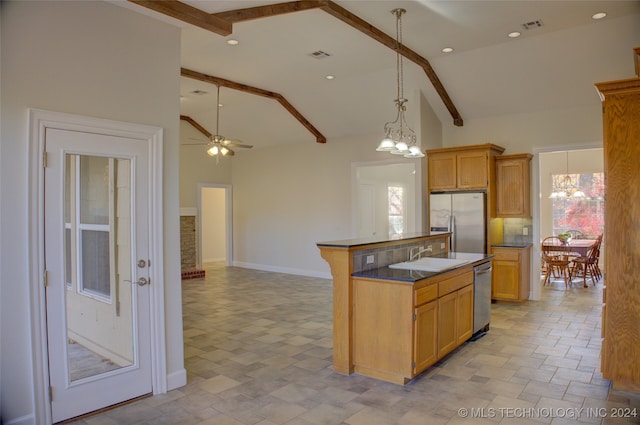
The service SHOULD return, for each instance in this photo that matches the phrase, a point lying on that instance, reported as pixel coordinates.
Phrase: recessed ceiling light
(329, 77)
(447, 50)
(232, 42)
(599, 15)
(514, 34)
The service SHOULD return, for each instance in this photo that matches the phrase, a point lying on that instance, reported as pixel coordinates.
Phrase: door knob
(140, 282)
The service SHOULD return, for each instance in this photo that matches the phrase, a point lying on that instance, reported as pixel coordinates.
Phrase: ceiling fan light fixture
(213, 150)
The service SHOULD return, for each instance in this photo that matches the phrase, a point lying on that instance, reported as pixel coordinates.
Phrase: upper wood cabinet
(461, 167)
(513, 185)
(621, 317)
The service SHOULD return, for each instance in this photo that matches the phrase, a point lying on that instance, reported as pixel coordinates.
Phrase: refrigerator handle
(452, 229)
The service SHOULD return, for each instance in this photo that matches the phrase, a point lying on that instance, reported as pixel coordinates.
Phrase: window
(89, 202)
(396, 202)
(579, 203)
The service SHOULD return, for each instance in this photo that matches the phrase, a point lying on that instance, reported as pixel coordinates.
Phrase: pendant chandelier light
(564, 186)
(399, 138)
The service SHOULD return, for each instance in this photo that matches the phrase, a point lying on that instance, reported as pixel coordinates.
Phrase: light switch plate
(370, 259)
(525, 231)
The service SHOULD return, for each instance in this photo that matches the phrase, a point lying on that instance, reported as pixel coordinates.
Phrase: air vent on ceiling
(319, 54)
(532, 24)
(199, 92)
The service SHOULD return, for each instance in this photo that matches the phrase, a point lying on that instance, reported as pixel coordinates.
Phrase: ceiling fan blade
(236, 144)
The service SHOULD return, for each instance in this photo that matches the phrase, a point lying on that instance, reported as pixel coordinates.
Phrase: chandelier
(399, 138)
(565, 186)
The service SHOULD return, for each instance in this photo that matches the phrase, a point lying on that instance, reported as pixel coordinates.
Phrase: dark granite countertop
(348, 243)
(512, 245)
(411, 276)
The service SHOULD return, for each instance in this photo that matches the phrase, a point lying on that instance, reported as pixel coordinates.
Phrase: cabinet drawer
(455, 283)
(506, 255)
(425, 294)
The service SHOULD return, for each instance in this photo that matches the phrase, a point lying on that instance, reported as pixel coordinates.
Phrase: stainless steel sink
(430, 264)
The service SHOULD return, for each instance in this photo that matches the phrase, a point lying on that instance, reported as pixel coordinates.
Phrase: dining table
(577, 246)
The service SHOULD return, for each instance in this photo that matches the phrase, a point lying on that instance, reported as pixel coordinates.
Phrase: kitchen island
(391, 323)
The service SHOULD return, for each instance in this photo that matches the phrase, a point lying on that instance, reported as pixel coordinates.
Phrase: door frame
(39, 121)
(535, 292)
(228, 219)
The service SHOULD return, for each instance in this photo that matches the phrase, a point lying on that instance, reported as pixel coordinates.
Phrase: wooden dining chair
(587, 266)
(555, 259)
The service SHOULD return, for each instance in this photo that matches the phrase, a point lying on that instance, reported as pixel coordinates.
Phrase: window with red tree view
(578, 203)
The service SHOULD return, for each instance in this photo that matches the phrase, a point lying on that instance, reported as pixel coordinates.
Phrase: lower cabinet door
(425, 336)
(447, 338)
(465, 314)
(506, 278)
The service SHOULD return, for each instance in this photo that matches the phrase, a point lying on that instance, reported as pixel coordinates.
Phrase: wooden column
(340, 261)
(621, 313)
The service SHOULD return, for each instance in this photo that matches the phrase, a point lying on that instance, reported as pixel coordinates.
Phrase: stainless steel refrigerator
(464, 214)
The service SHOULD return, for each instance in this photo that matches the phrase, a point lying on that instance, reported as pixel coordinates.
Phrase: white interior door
(96, 213)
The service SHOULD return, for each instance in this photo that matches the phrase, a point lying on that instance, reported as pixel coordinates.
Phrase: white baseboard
(214, 260)
(23, 420)
(177, 379)
(286, 270)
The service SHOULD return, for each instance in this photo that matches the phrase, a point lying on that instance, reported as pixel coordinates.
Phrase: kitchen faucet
(418, 254)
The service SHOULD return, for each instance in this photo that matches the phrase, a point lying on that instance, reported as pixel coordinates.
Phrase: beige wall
(86, 58)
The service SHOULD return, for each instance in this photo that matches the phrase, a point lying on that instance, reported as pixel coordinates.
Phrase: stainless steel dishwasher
(482, 299)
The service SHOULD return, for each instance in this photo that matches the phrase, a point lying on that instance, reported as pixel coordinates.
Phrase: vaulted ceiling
(552, 65)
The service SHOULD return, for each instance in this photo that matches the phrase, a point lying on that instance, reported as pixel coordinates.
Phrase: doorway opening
(572, 200)
(215, 230)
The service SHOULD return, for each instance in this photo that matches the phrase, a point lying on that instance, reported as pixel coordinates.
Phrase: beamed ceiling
(275, 91)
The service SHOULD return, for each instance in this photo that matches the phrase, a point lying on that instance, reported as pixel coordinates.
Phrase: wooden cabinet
(447, 338)
(425, 340)
(621, 317)
(442, 170)
(400, 329)
(462, 167)
(455, 312)
(511, 273)
(513, 186)
(464, 303)
(466, 168)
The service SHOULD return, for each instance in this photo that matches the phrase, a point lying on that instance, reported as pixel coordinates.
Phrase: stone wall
(188, 248)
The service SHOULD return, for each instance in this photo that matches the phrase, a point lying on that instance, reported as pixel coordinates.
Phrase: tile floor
(258, 351)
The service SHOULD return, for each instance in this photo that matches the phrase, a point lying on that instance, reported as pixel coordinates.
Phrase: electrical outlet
(370, 259)
(429, 247)
(441, 245)
(525, 231)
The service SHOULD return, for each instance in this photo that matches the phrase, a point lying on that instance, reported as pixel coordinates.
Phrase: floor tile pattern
(258, 351)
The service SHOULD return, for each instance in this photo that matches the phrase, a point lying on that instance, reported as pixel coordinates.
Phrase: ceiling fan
(218, 144)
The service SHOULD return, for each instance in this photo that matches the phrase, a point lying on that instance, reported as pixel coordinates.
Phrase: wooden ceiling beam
(188, 14)
(221, 23)
(353, 21)
(196, 125)
(363, 26)
(250, 13)
(256, 91)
